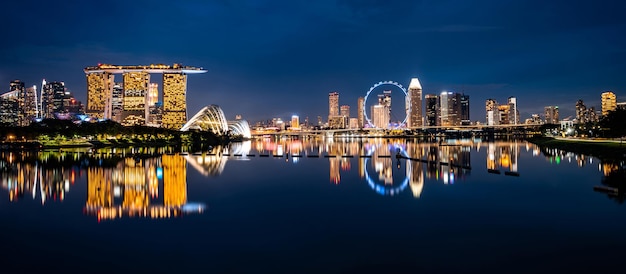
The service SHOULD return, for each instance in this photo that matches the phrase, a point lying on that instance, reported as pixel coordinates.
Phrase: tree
(614, 123)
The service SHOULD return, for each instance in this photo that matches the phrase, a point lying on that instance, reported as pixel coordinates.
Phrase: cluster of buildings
(135, 100)
(22, 105)
(445, 109)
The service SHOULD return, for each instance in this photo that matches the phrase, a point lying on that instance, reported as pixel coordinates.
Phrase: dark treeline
(105, 131)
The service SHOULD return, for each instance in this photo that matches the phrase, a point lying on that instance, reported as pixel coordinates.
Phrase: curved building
(240, 128)
(210, 118)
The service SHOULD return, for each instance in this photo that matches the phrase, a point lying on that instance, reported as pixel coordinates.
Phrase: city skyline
(284, 64)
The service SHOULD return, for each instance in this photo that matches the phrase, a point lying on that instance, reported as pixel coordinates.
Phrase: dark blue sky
(277, 58)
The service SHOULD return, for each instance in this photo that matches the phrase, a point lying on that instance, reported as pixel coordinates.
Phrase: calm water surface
(313, 206)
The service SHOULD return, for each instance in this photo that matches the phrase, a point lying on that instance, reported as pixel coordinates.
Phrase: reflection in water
(116, 186)
(120, 183)
(614, 181)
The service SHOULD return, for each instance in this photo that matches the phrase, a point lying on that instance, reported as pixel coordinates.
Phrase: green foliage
(614, 123)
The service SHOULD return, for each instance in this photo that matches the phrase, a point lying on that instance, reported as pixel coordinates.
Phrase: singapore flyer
(366, 110)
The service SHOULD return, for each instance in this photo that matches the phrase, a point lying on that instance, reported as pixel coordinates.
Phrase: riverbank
(603, 149)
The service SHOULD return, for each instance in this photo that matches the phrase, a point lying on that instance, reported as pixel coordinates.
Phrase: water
(255, 207)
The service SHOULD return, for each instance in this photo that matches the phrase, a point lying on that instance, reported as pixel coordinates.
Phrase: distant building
(449, 108)
(344, 112)
(295, 122)
(432, 109)
(134, 103)
(414, 98)
(551, 114)
(333, 105)
(493, 115)
(465, 110)
(581, 112)
(380, 116)
(361, 112)
(513, 114)
(9, 108)
(117, 102)
(354, 123)
(609, 102)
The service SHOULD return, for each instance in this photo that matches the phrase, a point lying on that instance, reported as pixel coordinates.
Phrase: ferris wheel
(385, 83)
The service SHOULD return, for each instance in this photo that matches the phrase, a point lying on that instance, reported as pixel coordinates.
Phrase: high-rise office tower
(414, 98)
(344, 112)
(99, 89)
(30, 105)
(432, 110)
(386, 101)
(609, 102)
(361, 112)
(380, 116)
(18, 87)
(449, 106)
(174, 100)
(134, 102)
(295, 122)
(513, 111)
(493, 116)
(9, 108)
(503, 112)
(52, 98)
(552, 114)
(465, 109)
(581, 112)
(333, 105)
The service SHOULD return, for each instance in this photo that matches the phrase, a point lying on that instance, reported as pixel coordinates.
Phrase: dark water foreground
(332, 206)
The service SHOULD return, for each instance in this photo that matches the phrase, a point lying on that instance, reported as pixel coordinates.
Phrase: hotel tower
(138, 93)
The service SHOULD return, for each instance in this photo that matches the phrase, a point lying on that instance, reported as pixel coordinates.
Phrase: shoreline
(604, 149)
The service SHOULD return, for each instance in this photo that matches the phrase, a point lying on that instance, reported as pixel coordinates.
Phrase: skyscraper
(432, 110)
(134, 102)
(117, 102)
(295, 122)
(361, 112)
(174, 100)
(333, 105)
(99, 89)
(449, 108)
(152, 97)
(51, 98)
(465, 109)
(513, 111)
(19, 89)
(30, 105)
(581, 112)
(344, 112)
(101, 100)
(609, 102)
(414, 98)
(380, 116)
(552, 114)
(493, 116)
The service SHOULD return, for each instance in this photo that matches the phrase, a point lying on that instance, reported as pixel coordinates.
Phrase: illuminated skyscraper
(464, 105)
(100, 92)
(513, 111)
(49, 89)
(361, 112)
(174, 100)
(493, 116)
(9, 108)
(295, 122)
(333, 105)
(134, 102)
(18, 88)
(380, 116)
(609, 102)
(99, 89)
(344, 112)
(30, 105)
(432, 109)
(552, 114)
(414, 98)
(449, 108)
(581, 112)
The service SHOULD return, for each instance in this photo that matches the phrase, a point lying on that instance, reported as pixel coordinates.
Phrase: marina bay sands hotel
(135, 100)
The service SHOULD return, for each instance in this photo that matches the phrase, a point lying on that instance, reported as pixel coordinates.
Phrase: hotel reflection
(133, 187)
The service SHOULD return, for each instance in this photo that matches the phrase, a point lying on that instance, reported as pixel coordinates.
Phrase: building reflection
(117, 186)
(503, 156)
(613, 181)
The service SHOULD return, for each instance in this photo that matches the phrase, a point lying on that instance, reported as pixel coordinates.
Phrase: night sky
(277, 58)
